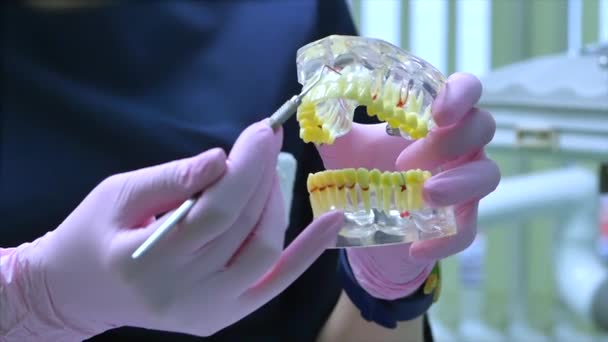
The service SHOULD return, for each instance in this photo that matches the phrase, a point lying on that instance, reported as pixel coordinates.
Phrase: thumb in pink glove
(455, 146)
(224, 261)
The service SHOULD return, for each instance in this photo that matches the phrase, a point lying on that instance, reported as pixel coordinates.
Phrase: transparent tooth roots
(390, 203)
(394, 85)
(397, 87)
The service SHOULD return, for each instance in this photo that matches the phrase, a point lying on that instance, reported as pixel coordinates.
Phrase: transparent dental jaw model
(380, 207)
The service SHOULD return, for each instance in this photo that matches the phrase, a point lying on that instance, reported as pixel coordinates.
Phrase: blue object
(386, 313)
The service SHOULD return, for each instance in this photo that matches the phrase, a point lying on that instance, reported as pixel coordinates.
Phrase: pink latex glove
(224, 261)
(457, 146)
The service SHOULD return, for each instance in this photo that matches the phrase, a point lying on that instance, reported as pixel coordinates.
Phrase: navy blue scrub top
(87, 93)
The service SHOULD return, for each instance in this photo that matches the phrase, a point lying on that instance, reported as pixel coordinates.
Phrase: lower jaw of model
(380, 207)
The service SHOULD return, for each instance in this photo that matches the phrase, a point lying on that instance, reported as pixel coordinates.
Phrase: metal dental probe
(278, 118)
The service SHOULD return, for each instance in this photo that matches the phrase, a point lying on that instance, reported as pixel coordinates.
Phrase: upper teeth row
(399, 105)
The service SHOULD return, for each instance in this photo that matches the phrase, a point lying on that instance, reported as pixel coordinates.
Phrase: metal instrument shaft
(276, 120)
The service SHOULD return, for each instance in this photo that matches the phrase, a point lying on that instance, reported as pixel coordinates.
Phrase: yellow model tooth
(305, 109)
(307, 123)
(419, 191)
(425, 175)
(324, 198)
(335, 192)
(316, 93)
(351, 89)
(306, 114)
(364, 96)
(375, 106)
(403, 192)
(310, 187)
(364, 188)
(310, 184)
(319, 196)
(380, 103)
(374, 177)
(416, 103)
(398, 183)
(410, 100)
(397, 119)
(396, 179)
(404, 126)
(316, 191)
(372, 111)
(333, 90)
(413, 180)
(404, 94)
(411, 119)
(309, 135)
(409, 180)
(330, 189)
(394, 122)
(313, 191)
(342, 84)
(427, 113)
(413, 104)
(385, 181)
(421, 131)
(390, 100)
(340, 189)
(375, 91)
(350, 180)
(419, 101)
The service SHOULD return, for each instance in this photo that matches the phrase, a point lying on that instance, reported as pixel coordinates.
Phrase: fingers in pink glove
(359, 148)
(444, 144)
(461, 186)
(253, 155)
(160, 188)
(460, 94)
(229, 244)
(292, 262)
(154, 190)
(263, 245)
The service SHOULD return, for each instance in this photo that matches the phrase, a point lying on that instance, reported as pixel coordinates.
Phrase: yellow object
(362, 189)
(433, 283)
(399, 111)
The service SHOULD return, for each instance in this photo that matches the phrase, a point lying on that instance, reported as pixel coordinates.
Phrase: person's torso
(88, 93)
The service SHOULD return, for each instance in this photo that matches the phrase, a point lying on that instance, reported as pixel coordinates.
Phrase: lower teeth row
(353, 190)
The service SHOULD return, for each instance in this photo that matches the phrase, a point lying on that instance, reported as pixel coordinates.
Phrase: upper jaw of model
(394, 85)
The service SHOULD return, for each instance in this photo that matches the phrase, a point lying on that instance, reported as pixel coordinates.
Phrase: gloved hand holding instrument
(224, 260)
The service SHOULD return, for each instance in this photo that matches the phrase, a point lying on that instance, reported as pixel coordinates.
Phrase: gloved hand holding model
(457, 146)
(224, 261)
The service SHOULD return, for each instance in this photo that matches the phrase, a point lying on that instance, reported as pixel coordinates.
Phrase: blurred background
(538, 270)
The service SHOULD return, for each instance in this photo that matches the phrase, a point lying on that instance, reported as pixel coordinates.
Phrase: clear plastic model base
(394, 85)
(380, 207)
(399, 88)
